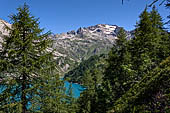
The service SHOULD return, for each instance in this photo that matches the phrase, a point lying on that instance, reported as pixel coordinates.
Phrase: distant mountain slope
(94, 62)
(75, 46)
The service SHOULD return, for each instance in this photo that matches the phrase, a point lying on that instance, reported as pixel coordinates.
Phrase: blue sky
(65, 15)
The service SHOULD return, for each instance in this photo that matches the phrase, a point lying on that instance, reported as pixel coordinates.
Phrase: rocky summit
(75, 46)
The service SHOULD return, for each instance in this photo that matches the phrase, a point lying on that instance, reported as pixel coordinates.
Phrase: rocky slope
(74, 46)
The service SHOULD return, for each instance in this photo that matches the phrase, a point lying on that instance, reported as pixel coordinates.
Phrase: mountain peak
(100, 30)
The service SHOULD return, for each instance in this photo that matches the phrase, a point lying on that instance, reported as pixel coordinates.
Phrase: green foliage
(88, 101)
(143, 91)
(78, 73)
(142, 45)
(51, 96)
(118, 73)
(148, 42)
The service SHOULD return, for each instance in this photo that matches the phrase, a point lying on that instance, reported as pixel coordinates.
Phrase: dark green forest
(134, 77)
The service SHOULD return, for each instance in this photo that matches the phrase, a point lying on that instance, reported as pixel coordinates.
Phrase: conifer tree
(24, 58)
(142, 45)
(158, 34)
(88, 101)
(117, 76)
(50, 95)
(160, 37)
(149, 46)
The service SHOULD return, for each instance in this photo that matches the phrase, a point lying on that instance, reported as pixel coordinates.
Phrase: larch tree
(24, 59)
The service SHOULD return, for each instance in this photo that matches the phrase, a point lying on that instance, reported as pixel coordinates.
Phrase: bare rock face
(3, 30)
(74, 46)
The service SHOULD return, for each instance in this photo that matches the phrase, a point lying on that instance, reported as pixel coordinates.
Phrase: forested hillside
(95, 62)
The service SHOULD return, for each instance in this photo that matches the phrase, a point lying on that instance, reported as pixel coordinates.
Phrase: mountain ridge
(73, 46)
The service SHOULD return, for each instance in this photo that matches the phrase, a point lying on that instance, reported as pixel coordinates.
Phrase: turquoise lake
(76, 88)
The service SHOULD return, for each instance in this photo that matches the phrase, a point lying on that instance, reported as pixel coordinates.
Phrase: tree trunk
(23, 96)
